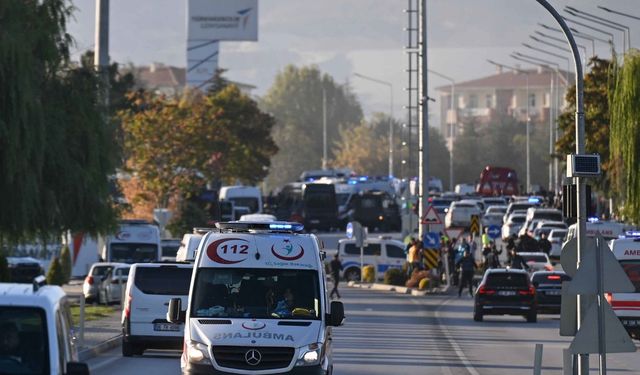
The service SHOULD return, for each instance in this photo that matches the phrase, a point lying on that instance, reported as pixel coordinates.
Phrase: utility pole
(324, 128)
(423, 120)
(101, 55)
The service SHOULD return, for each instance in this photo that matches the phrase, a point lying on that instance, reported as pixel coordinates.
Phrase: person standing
(467, 267)
(336, 267)
(544, 244)
(517, 261)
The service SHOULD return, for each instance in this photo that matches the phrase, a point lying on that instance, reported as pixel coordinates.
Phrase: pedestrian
(544, 244)
(408, 252)
(336, 267)
(486, 241)
(494, 257)
(451, 257)
(517, 262)
(467, 267)
(416, 256)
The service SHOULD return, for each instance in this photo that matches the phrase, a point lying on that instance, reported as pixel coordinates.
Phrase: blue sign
(494, 231)
(349, 231)
(431, 240)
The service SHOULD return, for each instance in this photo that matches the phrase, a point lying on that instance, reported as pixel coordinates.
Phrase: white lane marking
(104, 363)
(454, 344)
(446, 370)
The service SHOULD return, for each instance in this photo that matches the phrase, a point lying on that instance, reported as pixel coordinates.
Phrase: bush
(368, 274)
(65, 263)
(55, 275)
(423, 284)
(5, 276)
(415, 278)
(395, 276)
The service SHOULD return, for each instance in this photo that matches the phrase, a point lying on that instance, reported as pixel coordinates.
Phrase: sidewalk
(100, 336)
(399, 289)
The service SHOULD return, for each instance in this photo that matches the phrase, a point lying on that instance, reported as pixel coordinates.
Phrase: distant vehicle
(319, 206)
(109, 289)
(496, 181)
(496, 209)
(494, 201)
(188, 247)
(494, 218)
(552, 225)
(24, 269)
(149, 287)
(546, 214)
(136, 241)
(246, 199)
(376, 210)
(627, 305)
(289, 202)
(548, 286)
(170, 248)
(435, 185)
(609, 230)
(556, 237)
(528, 227)
(517, 205)
(96, 275)
(38, 331)
(441, 205)
(85, 251)
(505, 292)
(513, 224)
(258, 217)
(460, 212)
(381, 253)
(537, 261)
(464, 189)
(313, 175)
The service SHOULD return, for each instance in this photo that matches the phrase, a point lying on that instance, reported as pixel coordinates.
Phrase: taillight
(529, 292)
(553, 277)
(483, 290)
(89, 280)
(127, 306)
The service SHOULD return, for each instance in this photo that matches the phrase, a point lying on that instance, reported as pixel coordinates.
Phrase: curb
(397, 289)
(94, 351)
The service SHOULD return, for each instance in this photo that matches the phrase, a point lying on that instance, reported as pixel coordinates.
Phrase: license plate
(506, 293)
(553, 292)
(166, 327)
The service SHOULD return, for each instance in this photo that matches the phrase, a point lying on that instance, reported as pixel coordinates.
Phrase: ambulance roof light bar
(273, 226)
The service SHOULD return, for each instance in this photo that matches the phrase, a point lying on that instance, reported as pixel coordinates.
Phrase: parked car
(383, 253)
(556, 237)
(24, 269)
(505, 292)
(548, 286)
(537, 261)
(460, 212)
(110, 289)
(512, 225)
(149, 288)
(92, 282)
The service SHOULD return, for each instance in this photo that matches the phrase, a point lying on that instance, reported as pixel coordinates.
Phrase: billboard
(202, 62)
(222, 20)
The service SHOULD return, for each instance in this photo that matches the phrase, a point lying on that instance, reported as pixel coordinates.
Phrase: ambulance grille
(270, 357)
(214, 321)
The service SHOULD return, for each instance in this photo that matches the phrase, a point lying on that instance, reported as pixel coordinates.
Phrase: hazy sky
(343, 37)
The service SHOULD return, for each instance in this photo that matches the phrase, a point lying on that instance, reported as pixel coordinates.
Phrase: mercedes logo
(253, 357)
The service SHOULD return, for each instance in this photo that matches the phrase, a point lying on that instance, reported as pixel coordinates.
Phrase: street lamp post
(604, 22)
(390, 86)
(526, 74)
(450, 125)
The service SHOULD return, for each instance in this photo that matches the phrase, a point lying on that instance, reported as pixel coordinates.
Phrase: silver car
(113, 283)
(92, 282)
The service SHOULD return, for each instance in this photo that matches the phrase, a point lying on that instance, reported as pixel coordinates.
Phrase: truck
(497, 181)
(320, 208)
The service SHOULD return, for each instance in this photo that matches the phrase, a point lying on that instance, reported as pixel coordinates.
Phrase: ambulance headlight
(310, 355)
(197, 352)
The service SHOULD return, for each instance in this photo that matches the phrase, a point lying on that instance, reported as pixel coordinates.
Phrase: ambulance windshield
(256, 293)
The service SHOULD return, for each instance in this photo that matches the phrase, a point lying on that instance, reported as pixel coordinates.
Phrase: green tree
(55, 275)
(295, 100)
(364, 150)
(625, 131)
(65, 263)
(190, 215)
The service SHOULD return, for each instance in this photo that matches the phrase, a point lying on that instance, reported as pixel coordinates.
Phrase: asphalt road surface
(387, 333)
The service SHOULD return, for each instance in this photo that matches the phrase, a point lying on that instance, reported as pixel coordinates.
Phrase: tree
(65, 263)
(5, 276)
(625, 131)
(55, 274)
(56, 149)
(295, 100)
(362, 150)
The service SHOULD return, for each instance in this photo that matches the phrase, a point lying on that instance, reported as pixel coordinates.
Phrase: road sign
(431, 258)
(475, 224)
(431, 240)
(494, 231)
(350, 230)
(430, 217)
(454, 232)
(616, 337)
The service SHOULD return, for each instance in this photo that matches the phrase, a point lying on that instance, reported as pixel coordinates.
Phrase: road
(388, 333)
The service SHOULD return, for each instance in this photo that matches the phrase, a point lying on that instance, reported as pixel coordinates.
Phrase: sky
(343, 37)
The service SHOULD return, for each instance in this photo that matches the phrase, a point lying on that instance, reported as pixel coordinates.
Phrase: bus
(497, 181)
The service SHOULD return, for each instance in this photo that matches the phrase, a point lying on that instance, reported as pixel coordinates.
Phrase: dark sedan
(505, 292)
(548, 286)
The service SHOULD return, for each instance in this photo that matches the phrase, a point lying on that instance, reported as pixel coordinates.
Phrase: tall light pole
(526, 74)
(593, 47)
(101, 56)
(423, 120)
(324, 128)
(450, 125)
(390, 86)
(604, 22)
(619, 13)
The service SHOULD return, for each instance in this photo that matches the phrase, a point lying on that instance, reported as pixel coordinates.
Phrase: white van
(149, 289)
(258, 303)
(188, 247)
(382, 253)
(609, 230)
(136, 241)
(246, 199)
(627, 305)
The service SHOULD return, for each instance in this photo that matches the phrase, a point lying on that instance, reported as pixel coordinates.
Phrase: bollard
(537, 362)
(81, 327)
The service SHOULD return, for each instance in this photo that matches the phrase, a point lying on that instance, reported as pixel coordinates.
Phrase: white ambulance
(627, 305)
(258, 303)
(136, 241)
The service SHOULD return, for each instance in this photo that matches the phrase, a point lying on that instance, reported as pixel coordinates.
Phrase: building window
(473, 101)
(489, 101)
(532, 100)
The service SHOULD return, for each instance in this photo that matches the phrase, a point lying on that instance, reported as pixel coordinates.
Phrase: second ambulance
(627, 305)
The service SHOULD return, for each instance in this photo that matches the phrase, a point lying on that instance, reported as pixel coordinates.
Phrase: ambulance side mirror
(174, 312)
(336, 318)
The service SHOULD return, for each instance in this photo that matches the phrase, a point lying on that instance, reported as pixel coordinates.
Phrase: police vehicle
(36, 334)
(257, 303)
(382, 252)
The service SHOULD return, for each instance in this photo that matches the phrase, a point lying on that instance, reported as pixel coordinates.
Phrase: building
(169, 80)
(486, 99)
